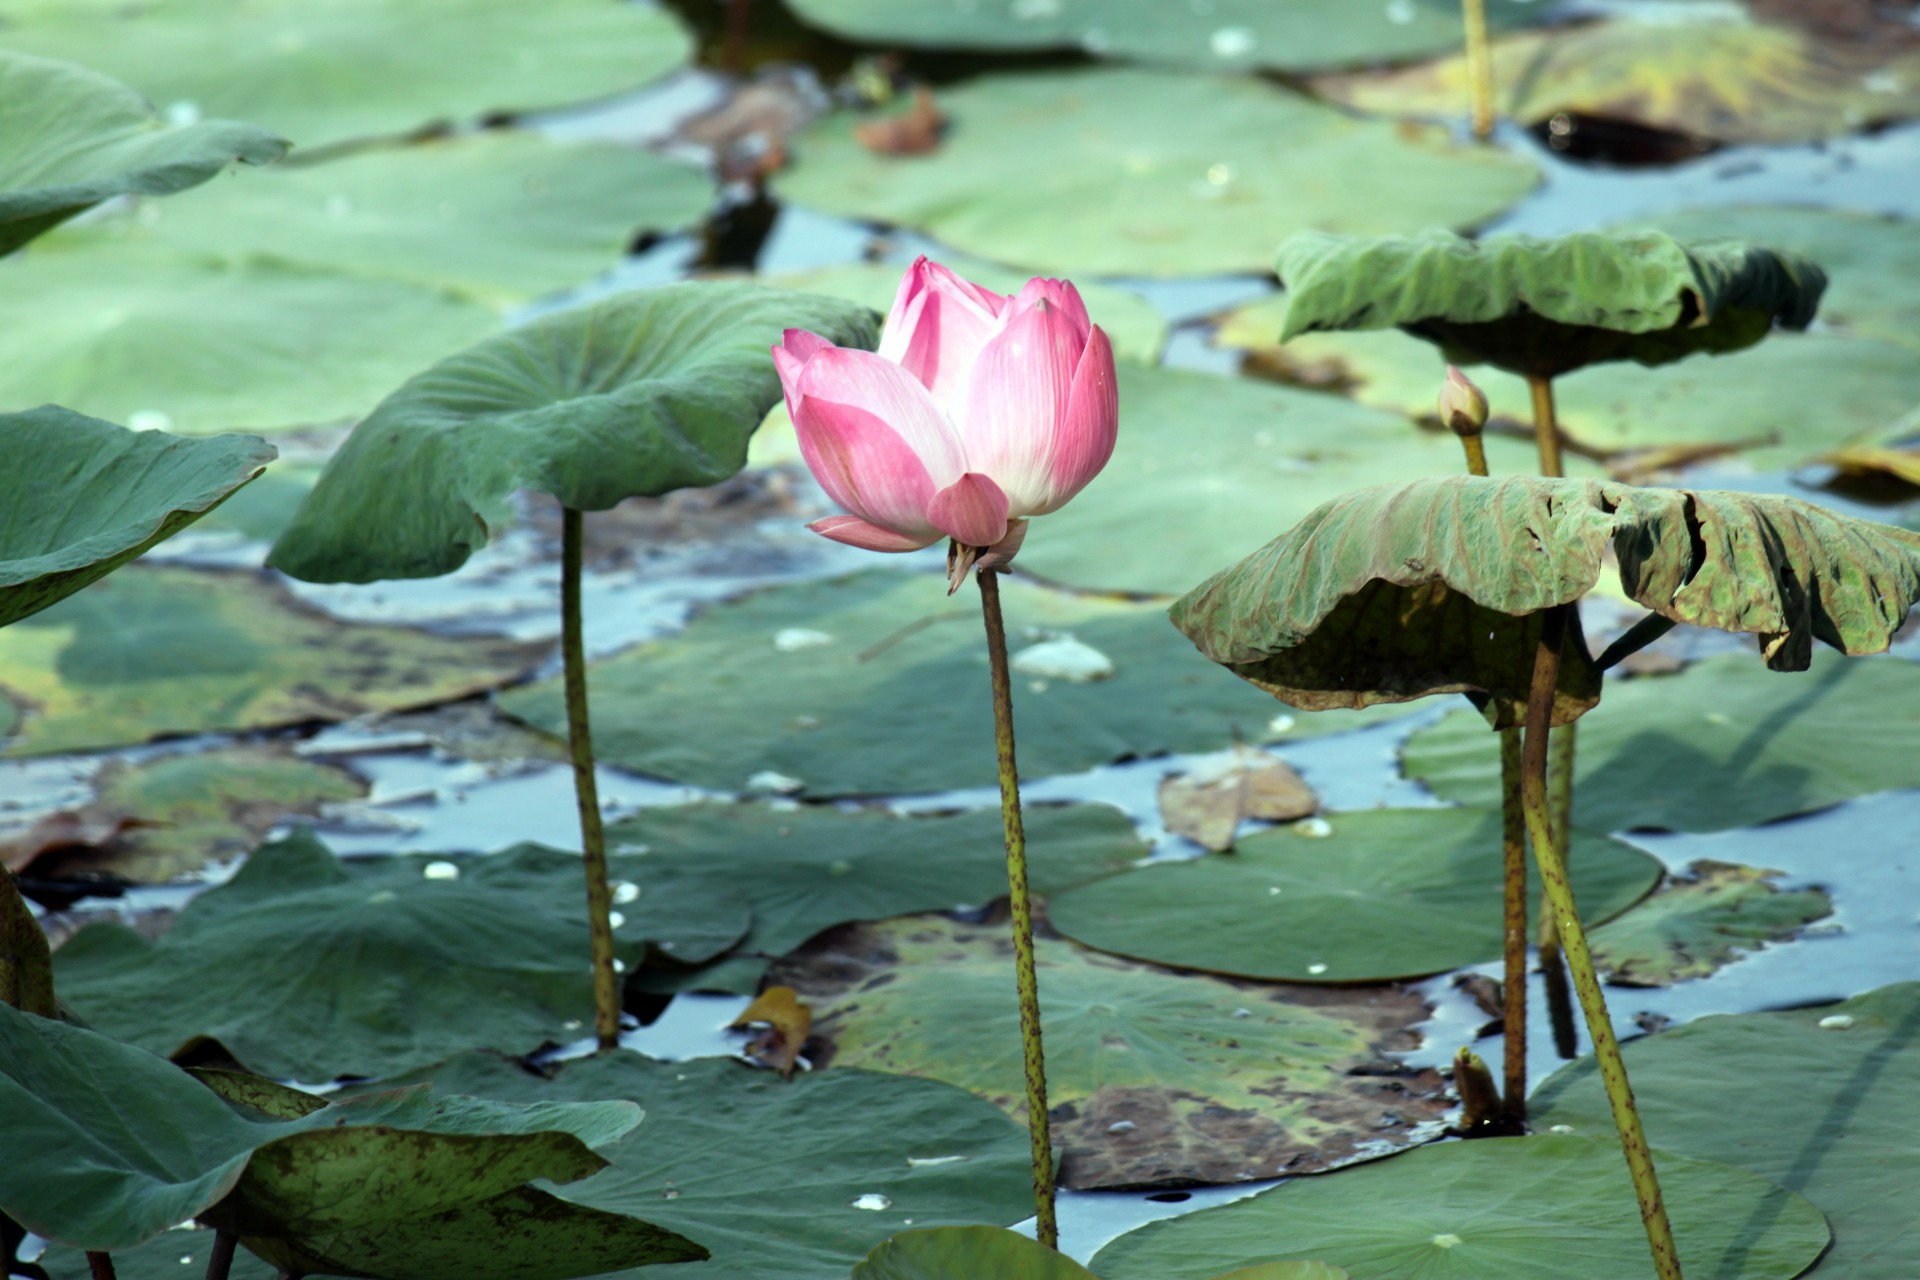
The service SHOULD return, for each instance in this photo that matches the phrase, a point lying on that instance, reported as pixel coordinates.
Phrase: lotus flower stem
(1479, 67)
(1047, 1228)
(1566, 1040)
(26, 962)
(1547, 851)
(220, 1261)
(100, 1266)
(593, 840)
(1513, 847)
(1546, 428)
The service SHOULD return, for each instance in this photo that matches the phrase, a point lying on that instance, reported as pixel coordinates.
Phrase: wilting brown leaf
(1206, 806)
(1902, 464)
(784, 1020)
(914, 132)
(748, 132)
(1480, 1107)
(83, 832)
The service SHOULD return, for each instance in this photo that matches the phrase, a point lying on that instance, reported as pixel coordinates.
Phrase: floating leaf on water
(1296, 1087)
(1208, 805)
(1386, 893)
(1827, 1115)
(1709, 916)
(1454, 1210)
(785, 1019)
(1130, 149)
(1063, 658)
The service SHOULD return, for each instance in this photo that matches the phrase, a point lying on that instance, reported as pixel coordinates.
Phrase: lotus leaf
(116, 1146)
(70, 138)
(637, 394)
(1401, 591)
(876, 684)
(1390, 893)
(300, 970)
(1547, 307)
(968, 1253)
(499, 216)
(1153, 1077)
(1821, 1100)
(1735, 81)
(1723, 744)
(1495, 1209)
(139, 333)
(796, 1179)
(83, 497)
(808, 869)
(171, 650)
(1709, 917)
(1166, 174)
(351, 68)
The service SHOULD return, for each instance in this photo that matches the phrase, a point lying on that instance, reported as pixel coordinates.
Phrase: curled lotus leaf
(1545, 307)
(70, 138)
(1402, 591)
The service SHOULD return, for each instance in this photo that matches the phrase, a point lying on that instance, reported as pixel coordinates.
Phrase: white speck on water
(1273, 891)
(615, 919)
(440, 871)
(839, 867)
(339, 207)
(1881, 82)
(186, 1259)
(1232, 42)
(1316, 968)
(790, 639)
(571, 1024)
(626, 893)
(671, 1193)
(1446, 1240)
(1220, 174)
(806, 722)
(777, 783)
(385, 895)
(1243, 1013)
(1718, 717)
(1314, 828)
(150, 420)
(619, 966)
(183, 113)
(1836, 1022)
(631, 847)
(871, 1200)
(1400, 12)
(1279, 725)
(1122, 1126)
(1064, 658)
(923, 1162)
(1560, 1128)
(1037, 686)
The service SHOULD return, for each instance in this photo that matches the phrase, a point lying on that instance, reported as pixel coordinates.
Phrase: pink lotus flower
(976, 412)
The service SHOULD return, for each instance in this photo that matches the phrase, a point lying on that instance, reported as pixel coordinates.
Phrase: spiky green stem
(1547, 851)
(1513, 849)
(1546, 426)
(1047, 1227)
(593, 840)
(1479, 67)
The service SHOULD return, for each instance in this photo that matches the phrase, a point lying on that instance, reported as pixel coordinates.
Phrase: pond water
(426, 797)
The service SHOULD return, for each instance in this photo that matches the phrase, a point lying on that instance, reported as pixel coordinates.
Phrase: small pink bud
(1463, 406)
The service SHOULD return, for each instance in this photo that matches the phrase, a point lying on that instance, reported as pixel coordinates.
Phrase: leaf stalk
(1479, 67)
(593, 840)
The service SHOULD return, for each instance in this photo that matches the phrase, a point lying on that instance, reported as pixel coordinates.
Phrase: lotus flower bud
(977, 412)
(1463, 406)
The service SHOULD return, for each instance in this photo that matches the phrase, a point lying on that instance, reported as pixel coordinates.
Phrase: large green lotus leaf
(160, 819)
(1867, 260)
(1824, 1101)
(809, 869)
(1402, 591)
(174, 650)
(1547, 307)
(139, 333)
(1735, 81)
(1709, 917)
(83, 497)
(1778, 404)
(1723, 744)
(70, 138)
(1153, 1077)
(877, 683)
(324, 73)
(499, 215)
(1237, 34)
(637, 394)
(796, 1179)
(1497, 1209)
(301, 971)
(1391, 893)
(116, 1146)
(1158, 173)
(963, 1253)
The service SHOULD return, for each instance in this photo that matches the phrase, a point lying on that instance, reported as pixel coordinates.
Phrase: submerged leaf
(1153, 1077)
(784, 1020)
(1547, 307)
(640, 393)
(71, 138)
(1402, 591)
(1708, 917)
